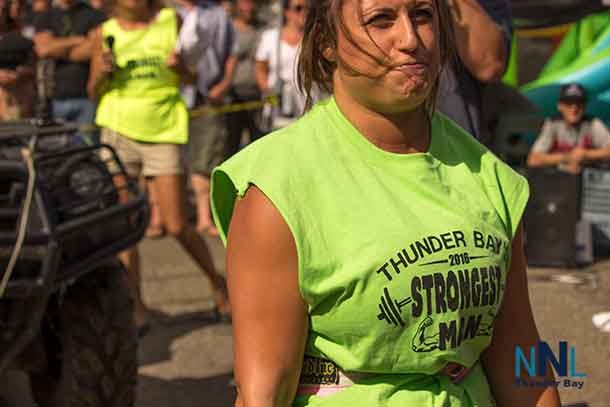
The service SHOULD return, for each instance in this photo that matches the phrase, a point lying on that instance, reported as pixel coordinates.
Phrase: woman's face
(572, 111)
(132, 5)
(40, 5)
(246, 9)
(10, 10)
(401, 57)
(296, 13)
(15, 10)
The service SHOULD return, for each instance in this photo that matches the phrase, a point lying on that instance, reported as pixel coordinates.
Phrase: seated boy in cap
(572, 139)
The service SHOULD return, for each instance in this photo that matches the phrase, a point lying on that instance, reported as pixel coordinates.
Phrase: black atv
(65, 309)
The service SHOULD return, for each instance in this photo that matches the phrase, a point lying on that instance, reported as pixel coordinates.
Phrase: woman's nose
(407, 37)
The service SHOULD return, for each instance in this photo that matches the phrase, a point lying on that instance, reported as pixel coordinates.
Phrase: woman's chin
(401, 105)
(410, 99)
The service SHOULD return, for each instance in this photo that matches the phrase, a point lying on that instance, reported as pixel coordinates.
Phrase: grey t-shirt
(460, 93)
(557, 137)
(244, 82)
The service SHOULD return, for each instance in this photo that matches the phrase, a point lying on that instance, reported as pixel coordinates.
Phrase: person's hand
(572, 160)
(578, 155)
(8, 77)
(266, 91)
(216, 95)
(572, 167)
(175, 62)
(25, 71)
(107, 63)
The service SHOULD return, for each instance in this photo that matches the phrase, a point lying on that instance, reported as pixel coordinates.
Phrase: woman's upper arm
(269, 314)
(96, 51)
(515, 325)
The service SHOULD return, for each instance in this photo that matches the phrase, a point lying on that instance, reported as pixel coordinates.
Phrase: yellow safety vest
(142, 100)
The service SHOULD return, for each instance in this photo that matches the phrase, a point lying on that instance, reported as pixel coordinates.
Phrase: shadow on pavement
(215, 391)
(165, 329)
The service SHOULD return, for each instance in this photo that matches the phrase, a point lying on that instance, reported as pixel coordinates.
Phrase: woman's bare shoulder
(259, 240)
(256, 215)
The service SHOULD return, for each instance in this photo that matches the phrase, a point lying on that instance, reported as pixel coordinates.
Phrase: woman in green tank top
(374, 248)
(135, 73)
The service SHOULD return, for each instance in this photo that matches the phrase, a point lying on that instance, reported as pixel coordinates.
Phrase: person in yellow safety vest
(135, 74)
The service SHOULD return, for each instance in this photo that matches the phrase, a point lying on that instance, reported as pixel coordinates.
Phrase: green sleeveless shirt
(143, 100)
(402, 258)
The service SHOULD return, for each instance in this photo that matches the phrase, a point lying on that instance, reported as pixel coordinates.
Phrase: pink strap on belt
(322, 377)
(455, 372)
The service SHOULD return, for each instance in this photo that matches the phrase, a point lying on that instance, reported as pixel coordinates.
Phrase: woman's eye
(422, 15)
(379, 20)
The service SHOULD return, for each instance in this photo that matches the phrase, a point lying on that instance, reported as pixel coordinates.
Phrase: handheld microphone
(110, 43)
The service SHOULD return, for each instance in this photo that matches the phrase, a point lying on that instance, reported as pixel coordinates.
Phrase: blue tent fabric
(590, 68)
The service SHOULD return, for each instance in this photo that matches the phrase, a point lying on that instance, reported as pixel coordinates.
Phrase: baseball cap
(572, 92)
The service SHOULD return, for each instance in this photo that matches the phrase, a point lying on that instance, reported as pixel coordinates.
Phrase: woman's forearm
(48, 46)
(97, 81)
(261, 397)
(598, 154)
(81, 52)
(480, 41)
(515, 326)
(261, 74)
(94, 85)
(550, 398)
(545, 159)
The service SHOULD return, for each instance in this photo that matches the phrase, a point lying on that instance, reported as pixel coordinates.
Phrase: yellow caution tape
(544, 32)
(210, 110)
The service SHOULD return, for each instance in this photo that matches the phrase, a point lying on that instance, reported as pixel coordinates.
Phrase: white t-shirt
(293, 102)
(193, 38)
(207, 39)
(267, 51)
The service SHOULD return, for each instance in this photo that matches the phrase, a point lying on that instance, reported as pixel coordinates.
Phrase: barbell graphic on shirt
(390, 308)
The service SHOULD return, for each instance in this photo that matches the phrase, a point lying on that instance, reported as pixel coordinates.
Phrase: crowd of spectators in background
(217, 55)
(234, 57)
(232, 64)
(242, 58)
(17, 92)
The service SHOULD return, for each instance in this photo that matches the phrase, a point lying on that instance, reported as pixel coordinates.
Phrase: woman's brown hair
(320, 34)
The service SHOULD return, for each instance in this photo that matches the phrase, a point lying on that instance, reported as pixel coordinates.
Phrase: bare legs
(171, 202)
(201, 188)
(156, 228)
(170, 196)
(131, 260)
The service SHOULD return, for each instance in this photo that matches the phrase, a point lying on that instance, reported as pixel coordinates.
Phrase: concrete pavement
(186, 358)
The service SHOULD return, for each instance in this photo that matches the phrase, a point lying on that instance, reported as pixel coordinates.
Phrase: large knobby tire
(95, 358)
